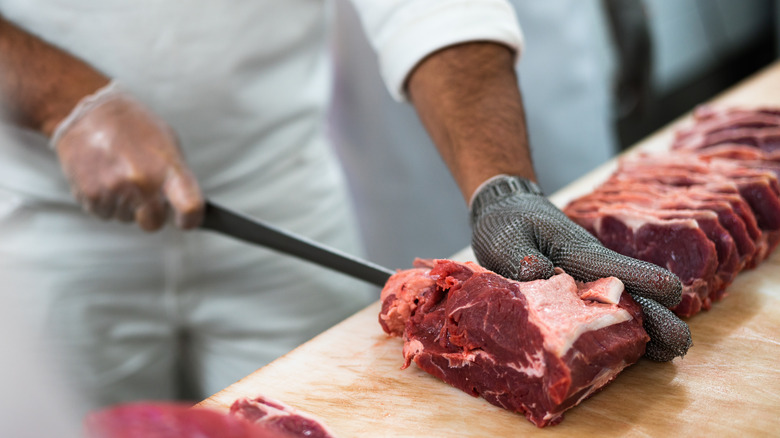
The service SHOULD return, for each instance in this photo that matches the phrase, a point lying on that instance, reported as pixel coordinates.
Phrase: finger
(151, 215)
(125, 209)
(670, 337)
(107, 205)
(92, 200)
(184, 196)
(589, 262)
(508, 251)
(103, 208)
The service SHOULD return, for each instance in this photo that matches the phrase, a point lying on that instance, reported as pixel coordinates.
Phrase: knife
(240, 226)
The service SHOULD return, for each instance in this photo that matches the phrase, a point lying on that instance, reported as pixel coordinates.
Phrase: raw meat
(280, 418)
(759, 188)
(733, 213)
(765, 237)
(678, 240)
(537, 348)
(259, 418)
(721, 177)
(756, 128)
(170, 420)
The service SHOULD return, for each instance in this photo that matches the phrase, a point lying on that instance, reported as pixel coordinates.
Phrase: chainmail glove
(519, 234)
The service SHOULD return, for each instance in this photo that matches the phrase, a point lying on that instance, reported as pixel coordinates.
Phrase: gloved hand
(519, 234)
(123, 162)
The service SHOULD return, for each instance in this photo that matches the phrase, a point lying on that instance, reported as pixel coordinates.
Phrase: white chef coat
(245, 85)
(565, 78)
(32, 374)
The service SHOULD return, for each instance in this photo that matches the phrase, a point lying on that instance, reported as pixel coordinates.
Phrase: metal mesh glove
(519, 234)
(123, 162)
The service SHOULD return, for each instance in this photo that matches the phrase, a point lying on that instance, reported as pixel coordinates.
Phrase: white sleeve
(403, 32)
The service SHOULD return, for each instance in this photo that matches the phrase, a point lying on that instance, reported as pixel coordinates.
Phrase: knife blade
(240, 226)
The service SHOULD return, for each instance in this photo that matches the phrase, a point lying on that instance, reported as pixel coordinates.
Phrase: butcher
(134, 112)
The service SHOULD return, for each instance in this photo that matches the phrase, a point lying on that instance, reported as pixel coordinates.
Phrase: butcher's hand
(123, 162)
(519, 234)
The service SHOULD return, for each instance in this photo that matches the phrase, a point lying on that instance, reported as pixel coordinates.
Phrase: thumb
(184, 195)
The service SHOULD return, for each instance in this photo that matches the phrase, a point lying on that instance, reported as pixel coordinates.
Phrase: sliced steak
(726, 249)
(677, 244)
(725, 163)
(760, 188)
(756, 128)
(656, 196)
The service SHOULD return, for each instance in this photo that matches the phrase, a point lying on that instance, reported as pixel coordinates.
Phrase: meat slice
(733, 151)
(537, 348)
(756, 128)
(285, 421)
(727, 256)
(656, 196)
(709, 120)
(727, 164)
(726, 191)
(676, 243)
(766, 139)
(740, 156)
(759, 188)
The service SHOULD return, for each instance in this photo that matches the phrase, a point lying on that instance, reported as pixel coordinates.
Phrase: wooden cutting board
(727, 385)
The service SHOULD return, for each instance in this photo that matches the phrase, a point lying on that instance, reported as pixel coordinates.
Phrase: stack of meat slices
(756, 128)
(705, 210)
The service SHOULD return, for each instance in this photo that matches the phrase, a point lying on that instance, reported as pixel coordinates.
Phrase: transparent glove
(123, 162)
(519, 234)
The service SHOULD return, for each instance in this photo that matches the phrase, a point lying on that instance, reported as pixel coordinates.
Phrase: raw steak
(675, 242)
(759, 188)
(280, 418)
(721, 190)
(757, 128)
(259, 418)
(727, 165)
(654, 196)
(537, 348)
(744, 154)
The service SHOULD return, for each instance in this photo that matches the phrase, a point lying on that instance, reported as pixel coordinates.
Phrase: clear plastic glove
(519, 234)
(123, 162)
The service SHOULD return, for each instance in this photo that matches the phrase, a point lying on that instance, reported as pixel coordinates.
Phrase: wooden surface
(728, 384)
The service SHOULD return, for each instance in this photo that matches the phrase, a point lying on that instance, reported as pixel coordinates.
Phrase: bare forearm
(469, 101)
(39, 83)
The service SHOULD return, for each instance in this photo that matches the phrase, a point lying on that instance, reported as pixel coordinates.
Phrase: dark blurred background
(672, 55)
